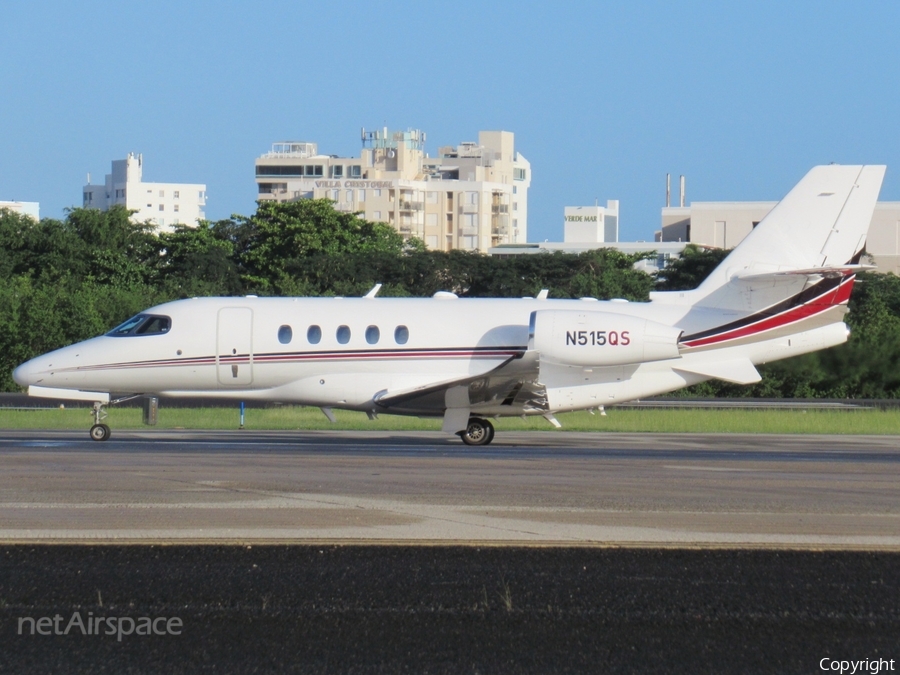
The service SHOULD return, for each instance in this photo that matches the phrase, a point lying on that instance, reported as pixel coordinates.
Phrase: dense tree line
(67, 280)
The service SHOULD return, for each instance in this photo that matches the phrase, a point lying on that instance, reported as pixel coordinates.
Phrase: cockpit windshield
(142, 324)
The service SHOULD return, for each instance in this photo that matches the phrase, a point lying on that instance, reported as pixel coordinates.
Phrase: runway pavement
(526, 488)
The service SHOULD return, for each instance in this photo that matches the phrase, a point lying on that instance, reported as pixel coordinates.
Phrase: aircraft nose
(24, 375)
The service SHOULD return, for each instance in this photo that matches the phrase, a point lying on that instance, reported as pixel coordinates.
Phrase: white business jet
(782, 292)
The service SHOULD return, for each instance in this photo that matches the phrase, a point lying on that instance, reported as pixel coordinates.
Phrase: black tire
(100, 432)
(478, 432)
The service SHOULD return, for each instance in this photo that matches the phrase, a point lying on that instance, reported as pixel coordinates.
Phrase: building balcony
(468, 231)
(468, 208)
(412, 206)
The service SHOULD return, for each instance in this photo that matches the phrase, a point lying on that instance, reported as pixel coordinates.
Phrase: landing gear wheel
(100, 432)
(478, 432)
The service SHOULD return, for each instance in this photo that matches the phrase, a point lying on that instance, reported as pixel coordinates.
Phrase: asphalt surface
(317, 552)
(439, 609)
(566, 488)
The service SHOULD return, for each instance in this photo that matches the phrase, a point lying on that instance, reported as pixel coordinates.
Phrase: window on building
(177, 194)
(377, 192)
(176, 208)
(431, 197)
(285, 335)
(518, 174)
(362, 195)
(355, 171)
(343, 334)
(472, 197)
(162, 207)
(88, 197)
(431, 219)
(470, 220)
(515, 206)
(314, 335)
(515, 189)
(372, 335)
(162, 193)
(469, 242)
(401, 335)
(337, 171)
(335, 194)
(376, 215)
(349, 195)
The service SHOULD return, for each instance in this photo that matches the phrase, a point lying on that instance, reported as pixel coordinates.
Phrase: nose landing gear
(100, 431)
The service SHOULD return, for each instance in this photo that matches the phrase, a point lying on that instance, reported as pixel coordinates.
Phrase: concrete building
(32, 209)
(471, 196)
(725, 224)
(587, 228)
(163, 204)
(595, 224)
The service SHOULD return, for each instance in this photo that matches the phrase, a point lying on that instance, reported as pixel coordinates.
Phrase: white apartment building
(725, 224)
(32, 209)
(162, 204)
(472, 196)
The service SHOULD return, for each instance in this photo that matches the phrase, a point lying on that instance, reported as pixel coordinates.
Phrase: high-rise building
(162, 204)
(472, 196)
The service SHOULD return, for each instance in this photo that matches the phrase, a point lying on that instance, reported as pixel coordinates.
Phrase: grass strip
(793, 421)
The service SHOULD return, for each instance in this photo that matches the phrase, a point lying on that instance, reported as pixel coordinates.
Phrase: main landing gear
(477, 432)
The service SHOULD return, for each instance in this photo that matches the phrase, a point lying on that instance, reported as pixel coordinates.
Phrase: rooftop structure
(32, 209)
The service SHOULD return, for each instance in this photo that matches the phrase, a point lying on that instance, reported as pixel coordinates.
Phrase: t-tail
(795, 270)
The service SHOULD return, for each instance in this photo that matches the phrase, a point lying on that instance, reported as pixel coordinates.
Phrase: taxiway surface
(536, 487)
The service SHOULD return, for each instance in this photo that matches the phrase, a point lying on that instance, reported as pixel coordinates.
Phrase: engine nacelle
(586, 338)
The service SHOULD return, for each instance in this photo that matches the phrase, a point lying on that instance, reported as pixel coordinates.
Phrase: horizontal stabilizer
(68, 394)
(739, 371)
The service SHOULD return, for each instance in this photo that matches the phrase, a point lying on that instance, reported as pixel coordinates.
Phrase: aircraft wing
(506, 385)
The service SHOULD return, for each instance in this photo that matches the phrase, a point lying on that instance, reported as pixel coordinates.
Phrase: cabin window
(401, 335)
(372, 335)
(343, 334)
(142, 324)
(314, 335)
(285, 335)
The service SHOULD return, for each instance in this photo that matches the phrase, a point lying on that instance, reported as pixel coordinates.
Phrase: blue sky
(604, 98)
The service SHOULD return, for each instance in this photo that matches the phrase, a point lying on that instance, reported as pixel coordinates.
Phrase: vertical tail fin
(820, 225)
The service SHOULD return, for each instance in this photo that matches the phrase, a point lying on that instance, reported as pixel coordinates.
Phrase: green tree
(283, 232)
(689, 271)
